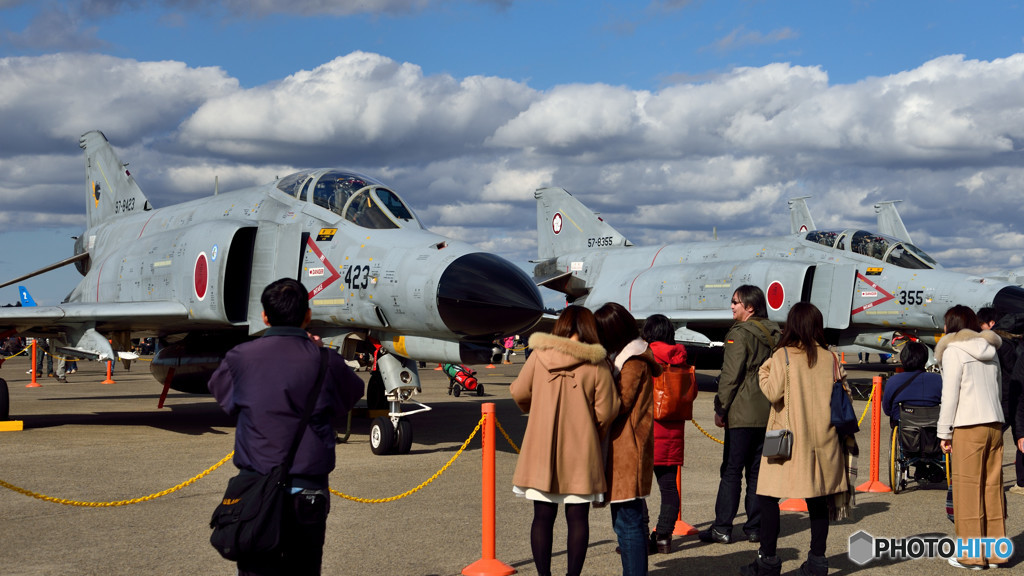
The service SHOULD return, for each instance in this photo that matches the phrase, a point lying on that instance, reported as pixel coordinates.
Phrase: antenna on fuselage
(216, 185)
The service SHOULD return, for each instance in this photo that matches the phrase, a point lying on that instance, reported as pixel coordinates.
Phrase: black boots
(814, 566)
(763, 566)
(661, 544)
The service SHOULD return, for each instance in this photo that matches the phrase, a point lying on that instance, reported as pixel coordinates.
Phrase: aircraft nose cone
(1009, 300)
(483, 295)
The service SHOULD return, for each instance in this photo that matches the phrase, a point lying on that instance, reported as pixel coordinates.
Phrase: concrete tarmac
(87, 441)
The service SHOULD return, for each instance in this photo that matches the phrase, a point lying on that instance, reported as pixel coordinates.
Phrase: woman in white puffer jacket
(971, 430)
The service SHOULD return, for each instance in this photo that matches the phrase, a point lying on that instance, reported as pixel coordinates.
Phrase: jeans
(627, 521)
(742, 452)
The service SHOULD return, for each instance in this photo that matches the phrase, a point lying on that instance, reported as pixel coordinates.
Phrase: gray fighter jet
(873, 290)
(381, 287)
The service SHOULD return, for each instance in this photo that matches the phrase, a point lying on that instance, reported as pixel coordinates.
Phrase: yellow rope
(118, 502)
(23, 351)
(422, 484)
(505, 434)
(703, 431)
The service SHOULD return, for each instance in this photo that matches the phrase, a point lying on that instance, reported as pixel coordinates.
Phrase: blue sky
(669, 117)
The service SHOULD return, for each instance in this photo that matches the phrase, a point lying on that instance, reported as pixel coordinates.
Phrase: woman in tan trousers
(971, 431)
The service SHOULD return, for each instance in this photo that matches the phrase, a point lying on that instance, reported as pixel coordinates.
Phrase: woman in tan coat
(567, 389)
(631, 454)
(817, 467)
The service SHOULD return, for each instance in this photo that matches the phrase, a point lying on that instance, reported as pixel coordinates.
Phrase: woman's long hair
(961, 317)
(805, 329)
(615, 326)
(579, 321)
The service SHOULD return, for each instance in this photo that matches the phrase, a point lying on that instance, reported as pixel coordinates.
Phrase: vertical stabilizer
(889, 221)
(564, 225)
(110, 189)
(26, 298)
(799, 216)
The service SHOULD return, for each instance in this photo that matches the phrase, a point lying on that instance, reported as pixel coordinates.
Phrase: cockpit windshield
(884, 248)
(359, 199)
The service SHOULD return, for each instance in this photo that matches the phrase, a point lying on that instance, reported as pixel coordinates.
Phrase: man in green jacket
(742, 410)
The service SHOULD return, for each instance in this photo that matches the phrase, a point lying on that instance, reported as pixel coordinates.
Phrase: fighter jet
(381, 286)
(873, 290)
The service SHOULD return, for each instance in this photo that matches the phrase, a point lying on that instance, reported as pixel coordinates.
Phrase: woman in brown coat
(817, 467)
(631, 454)
(567, 389)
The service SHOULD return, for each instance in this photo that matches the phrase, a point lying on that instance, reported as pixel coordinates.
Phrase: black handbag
(843, 416)
(778, 444)
(249, 519)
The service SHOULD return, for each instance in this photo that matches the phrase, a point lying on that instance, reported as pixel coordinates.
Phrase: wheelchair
(914, 443)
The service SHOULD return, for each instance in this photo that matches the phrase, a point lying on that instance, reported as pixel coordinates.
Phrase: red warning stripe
(887, 296)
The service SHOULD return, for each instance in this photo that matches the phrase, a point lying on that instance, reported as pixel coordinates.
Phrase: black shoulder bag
(249, 519)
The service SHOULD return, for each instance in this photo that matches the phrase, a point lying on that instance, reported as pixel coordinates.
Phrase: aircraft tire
(5, 401)
(382, 435)
(376, 398)
(404, 440)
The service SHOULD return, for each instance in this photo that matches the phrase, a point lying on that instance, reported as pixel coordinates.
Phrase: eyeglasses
(735, 301)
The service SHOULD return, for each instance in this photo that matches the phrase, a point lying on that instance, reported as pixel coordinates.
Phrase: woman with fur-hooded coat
(971, 429)
(567, 388)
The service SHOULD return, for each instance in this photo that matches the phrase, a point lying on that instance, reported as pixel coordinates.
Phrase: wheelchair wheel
(897, 466)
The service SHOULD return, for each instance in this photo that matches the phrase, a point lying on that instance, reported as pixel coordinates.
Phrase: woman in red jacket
(659, 333)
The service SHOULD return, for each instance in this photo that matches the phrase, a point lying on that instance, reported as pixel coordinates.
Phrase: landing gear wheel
(382, 435)
(457, 391)
(404, 443)
(376, 398)
(5, 401)
(479, 389)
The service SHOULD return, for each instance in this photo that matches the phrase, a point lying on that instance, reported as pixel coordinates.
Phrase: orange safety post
(488, 565)
(33, 383)
(110, 368)
(873, 485)
(682, 528)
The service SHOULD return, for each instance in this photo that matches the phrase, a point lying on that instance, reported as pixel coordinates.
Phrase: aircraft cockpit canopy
(885, 248)
(359, 199)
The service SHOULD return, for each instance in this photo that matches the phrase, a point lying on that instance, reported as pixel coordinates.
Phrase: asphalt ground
(87, 441)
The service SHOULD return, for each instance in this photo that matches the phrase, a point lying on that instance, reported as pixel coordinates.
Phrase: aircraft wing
(47, 320)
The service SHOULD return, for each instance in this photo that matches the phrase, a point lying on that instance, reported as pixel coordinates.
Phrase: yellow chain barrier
(23, 351)
(507, 437)
(118, 502)
(705, 432)
(422, 484)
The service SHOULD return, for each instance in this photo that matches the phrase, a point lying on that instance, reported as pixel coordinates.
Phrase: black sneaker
(713, 535)
(763, 566)
(754, 536)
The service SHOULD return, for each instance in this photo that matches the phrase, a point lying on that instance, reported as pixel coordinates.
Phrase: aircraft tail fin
(799, 216)
(889, 221)
(26, 298)
(564, 225)
(112, 191)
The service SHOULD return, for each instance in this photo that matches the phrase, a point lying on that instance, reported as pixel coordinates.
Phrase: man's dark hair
(658, 328)
(615, 326)
(752, 297)
(914, 356)
(988, 314)
(285, 303)
(961, 317)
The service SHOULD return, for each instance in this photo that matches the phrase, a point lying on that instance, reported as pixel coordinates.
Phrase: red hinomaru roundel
(776, 295)
(201, 275)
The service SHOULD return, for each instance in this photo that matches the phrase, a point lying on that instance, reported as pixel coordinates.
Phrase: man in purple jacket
(265, 384)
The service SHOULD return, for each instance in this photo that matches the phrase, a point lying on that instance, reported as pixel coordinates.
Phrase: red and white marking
(201, 276)
(776, 295)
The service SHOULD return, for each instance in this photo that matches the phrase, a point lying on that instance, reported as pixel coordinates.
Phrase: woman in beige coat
(567, 389)
(816, 468)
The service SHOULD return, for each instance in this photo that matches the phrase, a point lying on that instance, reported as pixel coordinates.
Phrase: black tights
(576, 516)
(817, 509)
